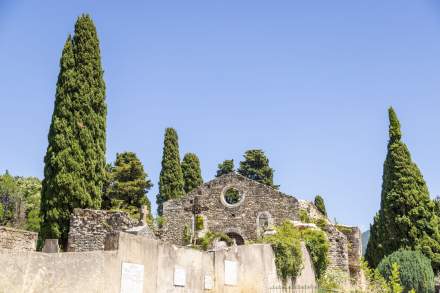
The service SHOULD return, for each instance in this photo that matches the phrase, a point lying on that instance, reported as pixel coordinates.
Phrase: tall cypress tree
(192, 174)
(255, 166)
(74, 169)
(406, 218)
(227, 166)
(171, 181)
(92, 108)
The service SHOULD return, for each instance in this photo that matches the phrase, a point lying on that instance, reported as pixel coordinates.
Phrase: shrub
(206, 241)
(186, 235)
(333, 280)
(317, 244)
(320, 205)
(287, 249)
(415, 270)
(199, 223)
(304, 216)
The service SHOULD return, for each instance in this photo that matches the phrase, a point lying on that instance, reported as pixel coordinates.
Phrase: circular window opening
(232, 196)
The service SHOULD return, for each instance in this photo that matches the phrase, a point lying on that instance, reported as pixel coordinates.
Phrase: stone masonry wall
(219, 217)
(19, 240)
(353, 235)
(89, 228)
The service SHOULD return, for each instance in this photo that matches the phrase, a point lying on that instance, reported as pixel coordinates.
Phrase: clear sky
(309, 82)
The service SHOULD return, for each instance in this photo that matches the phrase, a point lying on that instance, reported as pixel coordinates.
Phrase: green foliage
(206, 241)
(343, 229)
(129, 185)
(304, 216)
(375, 282)
(200, 223)
(232, 196)
(406, 218)
(415, 270)
(321, 223)
(395, 279)
(171, 181)
(317, 245)
(255, 166)
(320, 205)
(192, 175)
(333, 280)
(74, 169)
(287, 249)
(186, 235)
(224, 168)
(20, 202)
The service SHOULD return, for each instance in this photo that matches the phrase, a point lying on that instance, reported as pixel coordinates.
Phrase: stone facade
(19, 240)
(243, 220)
(89, 228)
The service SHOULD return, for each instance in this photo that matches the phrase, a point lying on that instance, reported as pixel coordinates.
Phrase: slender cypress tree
(92, 108)
(63, 160)
(74, 170)
(406, 218)
(227, 166)
(171, 181)
(255, 166)
(320, 205)
(192, 174)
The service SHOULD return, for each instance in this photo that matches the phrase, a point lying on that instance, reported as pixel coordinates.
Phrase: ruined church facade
(254, 209)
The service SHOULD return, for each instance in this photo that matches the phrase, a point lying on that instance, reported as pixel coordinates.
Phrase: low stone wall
(144, 265)
(19, 240)
(88, 228)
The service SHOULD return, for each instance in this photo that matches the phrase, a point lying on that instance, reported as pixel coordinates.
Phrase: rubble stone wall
(19, 240)
(89, 228)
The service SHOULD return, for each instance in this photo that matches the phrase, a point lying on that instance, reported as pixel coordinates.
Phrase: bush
(320, 205)
(415, 270)
(304, 216)
(199, 223)
(317, 245)
(287, 249)
(206, 241)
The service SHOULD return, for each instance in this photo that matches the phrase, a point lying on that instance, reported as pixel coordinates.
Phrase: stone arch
(236, 235)
(264, 222)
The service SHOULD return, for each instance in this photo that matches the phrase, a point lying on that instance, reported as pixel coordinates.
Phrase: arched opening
(237, 237)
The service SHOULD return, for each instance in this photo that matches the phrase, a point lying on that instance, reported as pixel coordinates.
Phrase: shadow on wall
(143, 265)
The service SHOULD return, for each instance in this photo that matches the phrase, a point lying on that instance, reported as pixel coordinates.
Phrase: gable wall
(242, 219)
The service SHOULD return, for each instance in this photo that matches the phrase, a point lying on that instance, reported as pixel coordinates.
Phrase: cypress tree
(171, 181)
(192, 175)
(224, 168)
(406, 218)
(129, 183)
(92, 109)
(74, 170)
(255, 166)
(320, 205)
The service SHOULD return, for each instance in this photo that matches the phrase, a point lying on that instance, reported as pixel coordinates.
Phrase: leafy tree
(74, 169)
(415, 271)
(129, 184)
(224, 168)
(191, 172)
(255, 166)
(320, 205)
(20, 202)
(171, 180)
(406, 218)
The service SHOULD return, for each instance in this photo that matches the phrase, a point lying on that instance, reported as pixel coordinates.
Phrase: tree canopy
(192, 175)
(227, 166)
(171, 180)
(406, 218)
(255, 166)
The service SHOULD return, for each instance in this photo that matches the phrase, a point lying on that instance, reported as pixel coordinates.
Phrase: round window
(232, 196)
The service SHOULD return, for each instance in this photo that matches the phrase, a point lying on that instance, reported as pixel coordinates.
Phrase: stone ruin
(255, 209)
(246, 214)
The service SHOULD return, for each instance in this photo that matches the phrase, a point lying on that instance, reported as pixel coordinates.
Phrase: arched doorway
(237, 237)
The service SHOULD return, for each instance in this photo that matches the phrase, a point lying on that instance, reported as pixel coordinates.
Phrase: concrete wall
(20, 240)
(100, 271)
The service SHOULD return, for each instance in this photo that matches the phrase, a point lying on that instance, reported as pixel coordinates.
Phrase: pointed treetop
(394, 129)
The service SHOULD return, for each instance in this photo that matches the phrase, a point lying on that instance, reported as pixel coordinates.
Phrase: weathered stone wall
(88, 228)
(241, 218)
(353, 235)
(19, 240)
(100, 271)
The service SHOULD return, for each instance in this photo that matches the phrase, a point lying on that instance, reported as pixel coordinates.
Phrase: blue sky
(309, 82)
